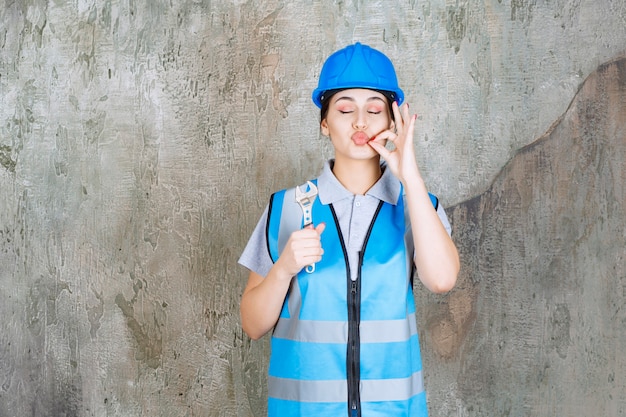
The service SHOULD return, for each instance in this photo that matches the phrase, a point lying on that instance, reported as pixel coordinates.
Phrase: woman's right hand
(263, 297)
(303, 248)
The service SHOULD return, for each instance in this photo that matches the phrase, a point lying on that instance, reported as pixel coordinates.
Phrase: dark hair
(326, 96)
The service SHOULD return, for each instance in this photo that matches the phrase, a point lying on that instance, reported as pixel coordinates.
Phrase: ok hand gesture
(401, 160)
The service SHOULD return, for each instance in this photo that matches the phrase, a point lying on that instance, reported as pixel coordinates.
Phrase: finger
(312, 232)
(307, 251)
(405, 112)
(411, 127)
(308, 233)
(382, 151)
(397, 115)
(405, 115)
(384, 136)
(408, 117)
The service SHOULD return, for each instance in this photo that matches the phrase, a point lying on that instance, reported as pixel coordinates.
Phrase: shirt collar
(387, 188)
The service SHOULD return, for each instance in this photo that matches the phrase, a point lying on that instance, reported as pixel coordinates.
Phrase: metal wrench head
(306, 197)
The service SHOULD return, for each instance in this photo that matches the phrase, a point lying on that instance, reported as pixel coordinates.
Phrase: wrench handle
(309, 268)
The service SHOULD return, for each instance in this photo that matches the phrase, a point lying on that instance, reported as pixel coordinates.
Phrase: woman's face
(355, 116)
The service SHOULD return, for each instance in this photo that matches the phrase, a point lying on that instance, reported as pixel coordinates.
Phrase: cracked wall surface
(139, 143)
(536, 323)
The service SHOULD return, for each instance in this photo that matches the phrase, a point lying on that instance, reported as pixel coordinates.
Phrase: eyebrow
(349, 98)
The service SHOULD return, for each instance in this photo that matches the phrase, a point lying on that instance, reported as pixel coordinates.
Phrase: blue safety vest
(344, 347)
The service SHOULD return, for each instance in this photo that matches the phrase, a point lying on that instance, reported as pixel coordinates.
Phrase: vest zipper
(353, 356)
(354, 344)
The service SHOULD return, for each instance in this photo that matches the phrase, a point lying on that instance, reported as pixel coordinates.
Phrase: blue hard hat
(358, 66)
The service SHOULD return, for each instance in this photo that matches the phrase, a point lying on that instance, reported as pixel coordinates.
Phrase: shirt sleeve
(255, 255)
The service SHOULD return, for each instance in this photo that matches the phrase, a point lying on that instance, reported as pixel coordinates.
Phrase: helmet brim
(318, 93)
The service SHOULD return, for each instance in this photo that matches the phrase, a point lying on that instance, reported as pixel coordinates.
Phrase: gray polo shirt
(354, 212)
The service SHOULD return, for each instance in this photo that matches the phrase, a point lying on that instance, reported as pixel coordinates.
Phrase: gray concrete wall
(139, 142)
(536, 325)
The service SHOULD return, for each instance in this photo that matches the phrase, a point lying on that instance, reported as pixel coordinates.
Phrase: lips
(360, 138)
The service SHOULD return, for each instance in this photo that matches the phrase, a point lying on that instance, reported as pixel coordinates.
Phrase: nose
(360, 121)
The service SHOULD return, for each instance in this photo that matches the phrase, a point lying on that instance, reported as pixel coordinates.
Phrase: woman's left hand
(436, 257)
(401, 160)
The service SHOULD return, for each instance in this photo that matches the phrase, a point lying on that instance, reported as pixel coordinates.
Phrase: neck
(358, 176)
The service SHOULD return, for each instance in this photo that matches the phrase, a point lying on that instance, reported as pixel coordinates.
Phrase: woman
(338, 292)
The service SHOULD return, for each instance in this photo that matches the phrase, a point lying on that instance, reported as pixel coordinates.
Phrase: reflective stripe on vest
(308, 369)
(336, 391)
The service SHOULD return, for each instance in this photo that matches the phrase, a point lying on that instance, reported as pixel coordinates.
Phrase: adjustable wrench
(305, 199)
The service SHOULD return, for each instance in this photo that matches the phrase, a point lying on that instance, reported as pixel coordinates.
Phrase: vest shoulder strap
(434, 200)
(284, 217)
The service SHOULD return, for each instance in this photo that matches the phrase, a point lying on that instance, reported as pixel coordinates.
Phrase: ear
(324, 128)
